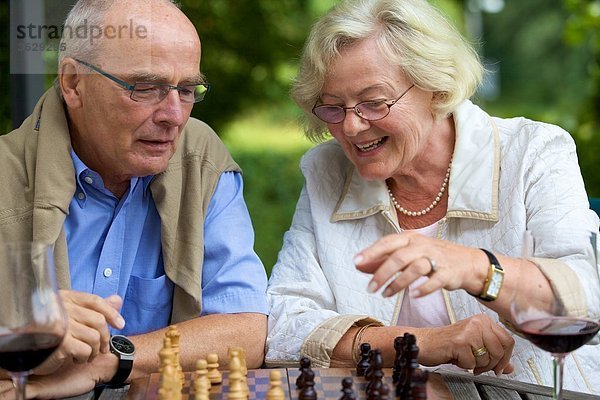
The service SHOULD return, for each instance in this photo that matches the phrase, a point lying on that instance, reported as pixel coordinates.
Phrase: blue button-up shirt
(114, 247)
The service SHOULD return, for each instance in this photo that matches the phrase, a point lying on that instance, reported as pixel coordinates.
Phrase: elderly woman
(436, 187)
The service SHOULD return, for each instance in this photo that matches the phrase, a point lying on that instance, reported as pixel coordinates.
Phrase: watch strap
(123, 371)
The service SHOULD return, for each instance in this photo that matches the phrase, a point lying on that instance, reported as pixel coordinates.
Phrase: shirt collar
(360, 198)
(82, 172)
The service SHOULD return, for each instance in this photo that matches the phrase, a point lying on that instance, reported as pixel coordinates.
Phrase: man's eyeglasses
(155, 92)
(373, 110)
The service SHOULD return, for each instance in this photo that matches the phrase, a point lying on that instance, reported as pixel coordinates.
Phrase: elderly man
(143, 204)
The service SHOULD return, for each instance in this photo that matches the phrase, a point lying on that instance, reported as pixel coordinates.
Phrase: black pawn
(363, 363)
(384, 392)
(347, 391)
(375, 375)
(304, 365)
(374, 395)
(399, 347)
(411, 364)
(418, 385)
(308, 390)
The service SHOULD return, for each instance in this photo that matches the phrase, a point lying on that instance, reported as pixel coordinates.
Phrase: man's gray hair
(85, 15)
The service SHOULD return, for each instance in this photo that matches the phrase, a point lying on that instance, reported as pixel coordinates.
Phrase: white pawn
(201, 388)
(240, 353)
(214, 376)
(275, 390)
(202, 372)
(236, 386)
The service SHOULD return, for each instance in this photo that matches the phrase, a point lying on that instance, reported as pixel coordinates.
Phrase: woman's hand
(403, 258)
(477, 343)
(87, 332)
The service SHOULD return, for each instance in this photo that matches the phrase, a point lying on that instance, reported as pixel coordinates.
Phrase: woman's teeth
(371, 146)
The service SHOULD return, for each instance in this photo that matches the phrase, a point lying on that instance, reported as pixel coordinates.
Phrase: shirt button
(80, 196)
(88, 180)
(107, 272)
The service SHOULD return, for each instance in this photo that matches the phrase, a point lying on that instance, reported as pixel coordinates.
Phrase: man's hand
(73, 378)
(87, 332)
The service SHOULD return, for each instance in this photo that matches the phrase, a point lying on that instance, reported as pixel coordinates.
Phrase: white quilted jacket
(507, 175)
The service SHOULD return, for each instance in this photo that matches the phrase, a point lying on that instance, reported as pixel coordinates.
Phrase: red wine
(21, 352)
(559, 334)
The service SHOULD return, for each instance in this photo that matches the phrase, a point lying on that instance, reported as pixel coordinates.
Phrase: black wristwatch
(123, 348)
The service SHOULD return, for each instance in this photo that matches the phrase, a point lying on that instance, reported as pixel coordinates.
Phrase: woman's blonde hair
(413, 34)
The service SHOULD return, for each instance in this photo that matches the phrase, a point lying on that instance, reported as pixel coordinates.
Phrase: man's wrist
(112, 366)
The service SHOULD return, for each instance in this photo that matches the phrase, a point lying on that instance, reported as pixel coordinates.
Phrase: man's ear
(69, 79)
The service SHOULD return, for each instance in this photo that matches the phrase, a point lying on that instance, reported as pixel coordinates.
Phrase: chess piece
(304, 365)
(241, 354)
(373, 395)
(384, 392)
(418, 385)
(170, 384)
(214, 376)
(363, 363)
(236, 387)
(202, 372)
(399, 347)
(308, 389)
(375, 377)
(173, 334)
(275, 390)
(166, 355)
(369, 371)
(201, 388)
(347, 391)
(411, 364)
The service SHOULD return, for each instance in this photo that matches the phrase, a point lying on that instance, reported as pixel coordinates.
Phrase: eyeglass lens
(369, 110)
(152, 92)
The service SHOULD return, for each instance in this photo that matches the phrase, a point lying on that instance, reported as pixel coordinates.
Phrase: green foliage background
(547, 54)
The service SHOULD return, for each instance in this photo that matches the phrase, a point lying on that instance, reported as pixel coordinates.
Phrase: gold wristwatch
(494, 280)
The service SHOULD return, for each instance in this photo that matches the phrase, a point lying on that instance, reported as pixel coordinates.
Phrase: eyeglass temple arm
(109, 76)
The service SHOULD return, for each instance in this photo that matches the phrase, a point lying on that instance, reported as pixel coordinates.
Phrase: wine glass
(32, 321)
(547, 324)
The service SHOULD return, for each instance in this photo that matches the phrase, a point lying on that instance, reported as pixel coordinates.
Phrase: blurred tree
(540, 76)
(249, 53)
(583, 30)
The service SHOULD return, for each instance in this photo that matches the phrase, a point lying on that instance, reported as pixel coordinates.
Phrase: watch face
(122, 344)
(496, 283)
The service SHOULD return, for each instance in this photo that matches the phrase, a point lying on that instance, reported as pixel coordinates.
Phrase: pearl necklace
(430, 207)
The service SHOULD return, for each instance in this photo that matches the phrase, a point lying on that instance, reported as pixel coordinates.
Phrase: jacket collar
(473, 184)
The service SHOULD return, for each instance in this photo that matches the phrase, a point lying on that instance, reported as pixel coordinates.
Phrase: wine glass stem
(19, 382)
(558, 363)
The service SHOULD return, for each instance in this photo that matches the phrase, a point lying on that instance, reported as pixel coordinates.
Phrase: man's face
(114, 135)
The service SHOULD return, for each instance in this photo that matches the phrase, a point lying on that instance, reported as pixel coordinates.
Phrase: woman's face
(383, 148)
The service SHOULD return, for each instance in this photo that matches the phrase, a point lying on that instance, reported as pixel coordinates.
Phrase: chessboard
(327, 385)
(328, 382)
(257, 379)
(369, 380)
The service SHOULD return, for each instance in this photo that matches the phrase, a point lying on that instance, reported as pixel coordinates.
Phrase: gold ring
(480, 351)
(434, 266)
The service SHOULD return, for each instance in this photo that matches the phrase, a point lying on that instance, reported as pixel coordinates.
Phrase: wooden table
(442, 384)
